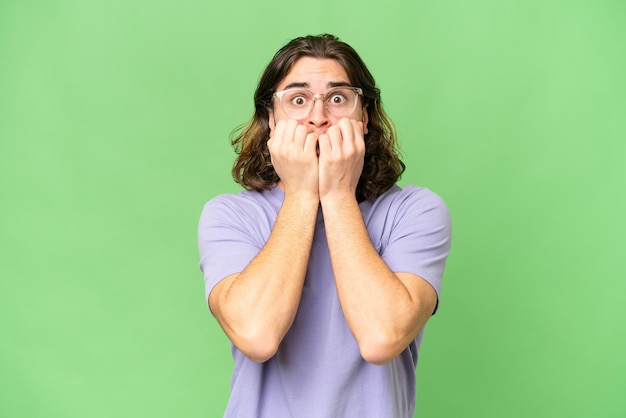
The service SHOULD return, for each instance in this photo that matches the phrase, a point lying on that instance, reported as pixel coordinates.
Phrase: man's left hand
(342, 149)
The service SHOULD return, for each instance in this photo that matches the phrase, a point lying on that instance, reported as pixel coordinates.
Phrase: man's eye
(337, 99)
(298, 100)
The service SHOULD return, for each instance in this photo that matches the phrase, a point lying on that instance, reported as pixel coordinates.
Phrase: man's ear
(365, 119)
(270, 120)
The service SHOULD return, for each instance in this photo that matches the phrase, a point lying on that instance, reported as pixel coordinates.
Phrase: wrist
(301, 198)
(338, 199)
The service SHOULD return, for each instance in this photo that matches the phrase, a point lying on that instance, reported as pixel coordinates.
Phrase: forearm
(382, 313)
(257, 306)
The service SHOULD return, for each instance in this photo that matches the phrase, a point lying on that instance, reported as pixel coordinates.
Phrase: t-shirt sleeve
(419, 242)
(225, 241)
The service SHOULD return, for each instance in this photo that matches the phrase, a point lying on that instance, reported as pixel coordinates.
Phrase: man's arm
(384, 310)
(257, 306)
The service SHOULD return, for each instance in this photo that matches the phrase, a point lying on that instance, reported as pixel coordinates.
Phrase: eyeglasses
(297, 103)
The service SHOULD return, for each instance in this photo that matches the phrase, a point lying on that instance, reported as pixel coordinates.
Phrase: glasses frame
(319, 96)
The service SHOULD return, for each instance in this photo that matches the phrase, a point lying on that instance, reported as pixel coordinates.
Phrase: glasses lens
(297, 102)
(340, 101)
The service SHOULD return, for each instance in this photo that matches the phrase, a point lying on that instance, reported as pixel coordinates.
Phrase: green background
(114, 126)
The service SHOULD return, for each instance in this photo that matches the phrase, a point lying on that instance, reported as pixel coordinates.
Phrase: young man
(323, 272)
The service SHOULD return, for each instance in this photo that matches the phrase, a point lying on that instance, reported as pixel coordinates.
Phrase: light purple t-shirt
(318, 370)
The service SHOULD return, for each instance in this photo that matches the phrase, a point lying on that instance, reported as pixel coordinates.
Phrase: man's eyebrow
(339, 84)
(296, 85)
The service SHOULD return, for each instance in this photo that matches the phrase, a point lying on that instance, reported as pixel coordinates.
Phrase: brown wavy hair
(382, 165)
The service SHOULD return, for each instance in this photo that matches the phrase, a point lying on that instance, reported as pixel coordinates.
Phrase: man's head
(325, 62)
(317, 92)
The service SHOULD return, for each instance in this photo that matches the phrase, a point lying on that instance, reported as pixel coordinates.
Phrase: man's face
(317, 76)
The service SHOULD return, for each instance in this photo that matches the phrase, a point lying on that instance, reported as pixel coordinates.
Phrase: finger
(347, 132)
(311, 141)
(335, 138)
(290, 130)
(279, 127)
(276, 135)
(324, 143)
(300, 136)
(357, 127)
(359, 141)
(352, 133)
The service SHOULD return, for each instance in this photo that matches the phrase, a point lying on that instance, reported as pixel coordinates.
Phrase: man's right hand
(257, 306)
(293, 149)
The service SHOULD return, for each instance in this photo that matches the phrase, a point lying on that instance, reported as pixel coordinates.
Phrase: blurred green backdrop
(114, 126)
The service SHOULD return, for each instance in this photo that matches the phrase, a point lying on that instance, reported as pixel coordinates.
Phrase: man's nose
(317, 116)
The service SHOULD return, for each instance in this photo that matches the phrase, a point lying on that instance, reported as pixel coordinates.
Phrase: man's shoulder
(410, 194)
(246, 198)
(244, 207)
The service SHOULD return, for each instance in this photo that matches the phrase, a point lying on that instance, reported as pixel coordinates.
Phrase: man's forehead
(310, 72)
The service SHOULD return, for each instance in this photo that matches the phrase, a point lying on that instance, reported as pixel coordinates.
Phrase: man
(323, 272)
